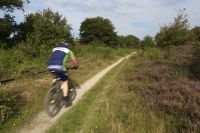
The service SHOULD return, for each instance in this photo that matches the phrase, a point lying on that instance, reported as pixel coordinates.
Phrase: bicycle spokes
(53, 101)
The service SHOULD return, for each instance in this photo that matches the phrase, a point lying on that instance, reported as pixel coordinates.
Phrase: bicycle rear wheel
(53, 101)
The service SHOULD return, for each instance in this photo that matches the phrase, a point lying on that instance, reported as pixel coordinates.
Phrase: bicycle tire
(53, 98)
(72, 90)
(72, 94)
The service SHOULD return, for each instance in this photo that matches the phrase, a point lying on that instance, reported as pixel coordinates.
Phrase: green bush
(10, 105)
(9, 61)
(147, 42)
(195, 62)
(129, 41)
(153, 53)
(16, 62)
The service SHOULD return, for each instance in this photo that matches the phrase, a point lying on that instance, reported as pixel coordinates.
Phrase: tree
(7, 23)
(147, 42)
(11, 5)
(46, 30)
(98, 30)
(175, 33)
(130, 41)
(24, 28)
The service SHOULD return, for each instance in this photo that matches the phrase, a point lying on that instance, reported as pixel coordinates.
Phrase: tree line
(40, 31)
(46, 27)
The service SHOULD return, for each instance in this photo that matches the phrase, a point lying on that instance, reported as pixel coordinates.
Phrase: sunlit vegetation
(163, 79)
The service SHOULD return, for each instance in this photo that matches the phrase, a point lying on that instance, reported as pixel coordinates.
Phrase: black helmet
(63, 44)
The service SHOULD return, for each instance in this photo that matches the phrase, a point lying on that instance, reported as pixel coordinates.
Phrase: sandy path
(42, 121)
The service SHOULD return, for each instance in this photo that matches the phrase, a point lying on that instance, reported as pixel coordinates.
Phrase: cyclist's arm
(73, 59)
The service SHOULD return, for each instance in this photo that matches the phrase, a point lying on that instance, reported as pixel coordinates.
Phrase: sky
(129, 17)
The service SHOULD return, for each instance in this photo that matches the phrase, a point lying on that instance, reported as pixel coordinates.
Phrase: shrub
(170, 94)
(10, 105)
(147, 42)
(129, 41)
(153, 53)
(196, 32)
(11, 60)
(195, 62)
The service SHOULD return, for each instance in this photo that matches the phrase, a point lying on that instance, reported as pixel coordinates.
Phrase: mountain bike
(54, 97)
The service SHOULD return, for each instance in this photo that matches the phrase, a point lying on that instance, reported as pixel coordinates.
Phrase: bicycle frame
(55, 95)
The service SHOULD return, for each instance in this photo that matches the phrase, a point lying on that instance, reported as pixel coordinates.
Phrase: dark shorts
(60, 74)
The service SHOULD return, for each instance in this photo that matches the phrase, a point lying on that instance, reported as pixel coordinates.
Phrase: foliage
(196, 32)
(171, 93)
(11, 5)
(46, 30)
(19, 61)
(7, 26)
(195, 62)
(147, 42)
(175, 33)
(7, 23)
(24, 29)
(10, 105)
(10, 61)
(153, 54)
(98, 30)
(129, 41)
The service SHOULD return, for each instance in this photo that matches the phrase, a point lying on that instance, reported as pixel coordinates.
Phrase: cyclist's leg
(64, 78)
(66, 98)
(64, 86)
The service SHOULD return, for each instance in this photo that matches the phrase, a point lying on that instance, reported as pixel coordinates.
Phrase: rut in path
(42, 121)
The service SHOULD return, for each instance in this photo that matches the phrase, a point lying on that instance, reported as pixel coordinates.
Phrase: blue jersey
(58, 58)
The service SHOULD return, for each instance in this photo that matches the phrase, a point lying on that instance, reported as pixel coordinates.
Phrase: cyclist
(56, 64)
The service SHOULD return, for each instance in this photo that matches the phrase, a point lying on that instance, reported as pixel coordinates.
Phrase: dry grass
(122, 111)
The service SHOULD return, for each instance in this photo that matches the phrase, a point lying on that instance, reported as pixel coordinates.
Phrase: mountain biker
(56, 64)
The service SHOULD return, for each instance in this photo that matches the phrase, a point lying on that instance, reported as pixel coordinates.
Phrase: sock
(66, 97)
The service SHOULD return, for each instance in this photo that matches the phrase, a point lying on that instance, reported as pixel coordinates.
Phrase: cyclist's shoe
(66, 101)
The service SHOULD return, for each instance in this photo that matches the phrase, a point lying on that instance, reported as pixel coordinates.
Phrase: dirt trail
(42, 121)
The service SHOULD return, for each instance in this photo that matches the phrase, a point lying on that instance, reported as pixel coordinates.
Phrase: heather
(171, 91)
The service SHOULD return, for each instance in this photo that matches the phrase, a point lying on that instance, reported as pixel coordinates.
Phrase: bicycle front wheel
(72, 94)
(72, 90)
(53, 101)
